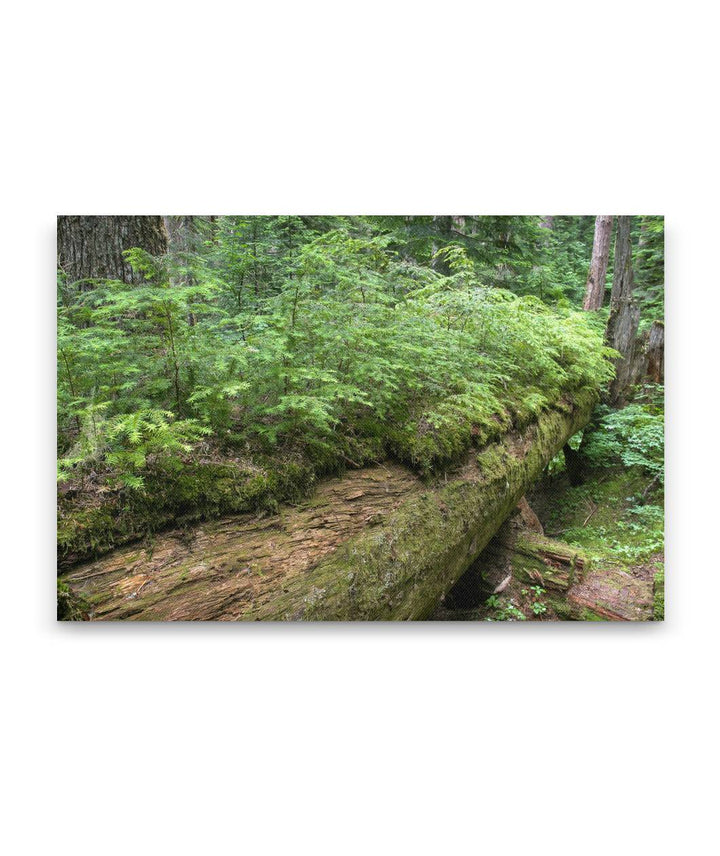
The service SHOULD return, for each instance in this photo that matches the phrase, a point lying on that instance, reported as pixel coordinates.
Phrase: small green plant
(504, 610)
(512, 613)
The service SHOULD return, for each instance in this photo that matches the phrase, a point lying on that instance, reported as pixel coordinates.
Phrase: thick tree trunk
(375, 545)
(90, 248)
(595, 286)
(622, 327)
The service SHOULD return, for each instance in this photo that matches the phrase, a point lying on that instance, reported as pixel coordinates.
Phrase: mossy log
(375, 545)
(538, 560)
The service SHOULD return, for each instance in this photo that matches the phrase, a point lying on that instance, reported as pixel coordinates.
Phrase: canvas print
(360, 418)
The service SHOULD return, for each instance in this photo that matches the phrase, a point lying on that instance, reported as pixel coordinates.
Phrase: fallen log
(388, 550)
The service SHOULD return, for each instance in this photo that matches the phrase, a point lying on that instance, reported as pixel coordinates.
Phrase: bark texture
(90, 248)
(375, 545)
(656, 353)
(622, 327)
(595, 286)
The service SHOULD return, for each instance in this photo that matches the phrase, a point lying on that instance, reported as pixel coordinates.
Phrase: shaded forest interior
(213, 366)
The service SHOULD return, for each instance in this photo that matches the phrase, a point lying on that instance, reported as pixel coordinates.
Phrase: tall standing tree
(90, 248)
(595, 286)
(622, 326)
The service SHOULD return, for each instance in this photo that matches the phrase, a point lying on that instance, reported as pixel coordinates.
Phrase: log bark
(91, 248)
(595, 285)
(387, 553)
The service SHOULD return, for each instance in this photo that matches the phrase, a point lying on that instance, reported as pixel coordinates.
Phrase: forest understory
(335, 418)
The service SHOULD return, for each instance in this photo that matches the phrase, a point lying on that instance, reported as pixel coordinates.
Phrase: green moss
(430, 447)
(607, 516)
(70, 605)
(179, 493)
(401, 568)
(529, 564)
(176, 493)
(562, 608)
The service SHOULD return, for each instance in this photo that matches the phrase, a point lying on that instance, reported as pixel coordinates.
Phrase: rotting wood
(533, 559)
(375, 545)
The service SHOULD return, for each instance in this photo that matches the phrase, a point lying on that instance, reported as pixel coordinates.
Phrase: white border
(358, 739)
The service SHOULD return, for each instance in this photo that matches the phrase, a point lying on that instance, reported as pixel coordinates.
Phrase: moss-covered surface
(216, 569)
(181, 491)
(70, 605)
(341, 560)
(553, 564)
(607, 516)
(403, 568)
(176, 493)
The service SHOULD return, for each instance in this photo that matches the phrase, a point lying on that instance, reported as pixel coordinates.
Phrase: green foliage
(610, 516)
(504, 609)
(318, 335)
(649, 267)
(70, 606)
(633, 436)
(125, 442)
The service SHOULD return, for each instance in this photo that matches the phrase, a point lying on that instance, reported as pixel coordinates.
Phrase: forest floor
(619, 528)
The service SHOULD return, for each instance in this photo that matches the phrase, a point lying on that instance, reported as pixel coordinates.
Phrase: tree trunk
(621, 332)
(595, 286)
(90, 248)
(656, 353)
